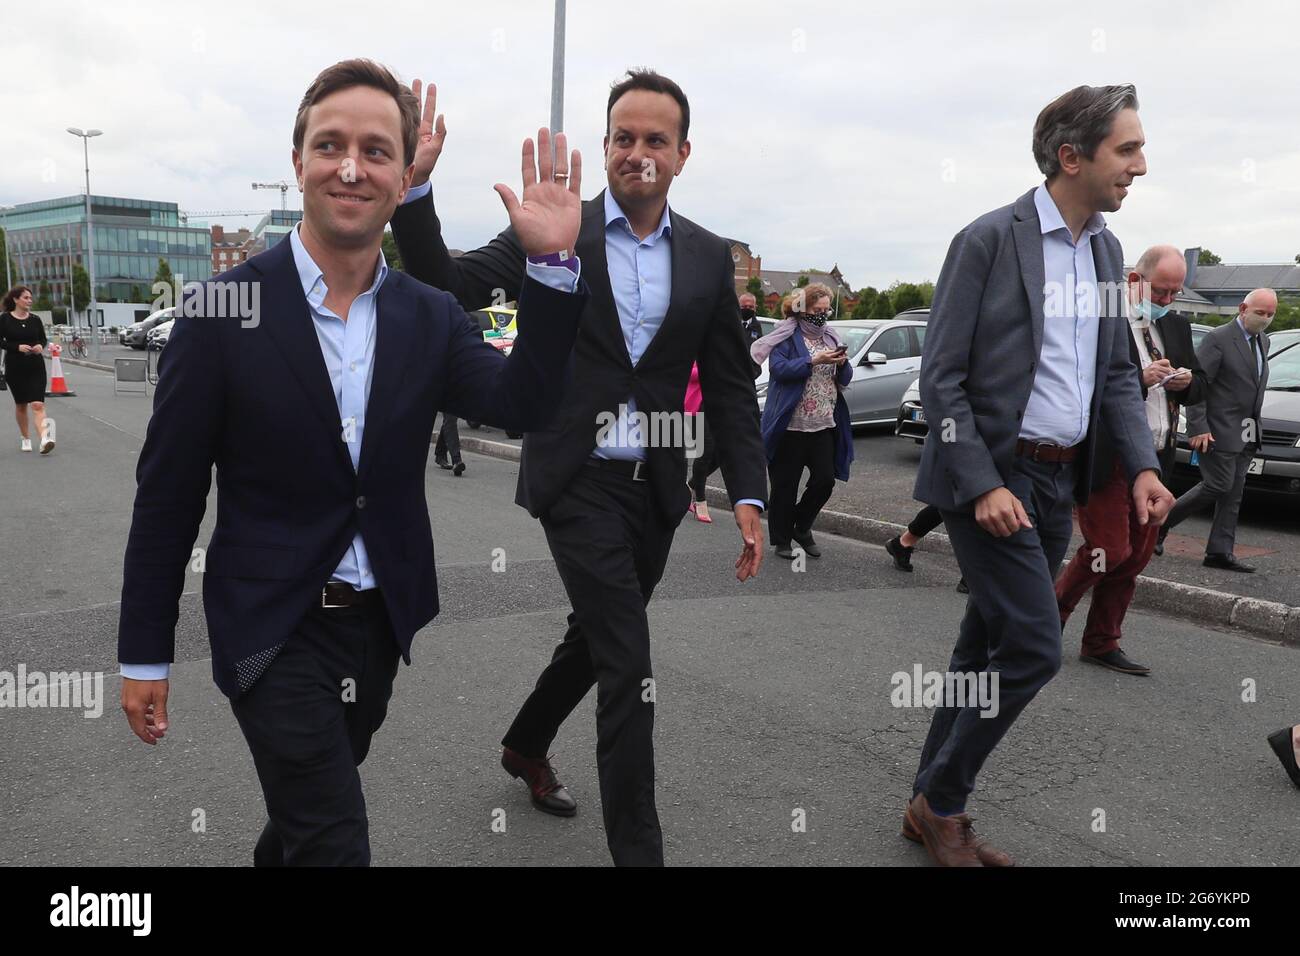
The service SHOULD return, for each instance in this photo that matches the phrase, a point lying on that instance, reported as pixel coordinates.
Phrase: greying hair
(1081, 118)
(1152, 258)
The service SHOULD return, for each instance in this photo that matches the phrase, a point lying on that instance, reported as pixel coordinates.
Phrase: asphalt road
(773, 697)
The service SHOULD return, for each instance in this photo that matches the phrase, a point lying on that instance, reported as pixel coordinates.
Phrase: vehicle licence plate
(918, 415)
(1256, 467)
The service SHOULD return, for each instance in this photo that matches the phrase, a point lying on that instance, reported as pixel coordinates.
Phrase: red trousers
(1114, 552)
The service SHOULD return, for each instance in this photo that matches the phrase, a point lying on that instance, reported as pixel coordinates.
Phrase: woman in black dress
(22, 336)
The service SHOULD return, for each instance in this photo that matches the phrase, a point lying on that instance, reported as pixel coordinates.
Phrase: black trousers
(794, 452)
(308, 721)
(610, 544)
(448, 440)
(1012, 627)
(926, 520)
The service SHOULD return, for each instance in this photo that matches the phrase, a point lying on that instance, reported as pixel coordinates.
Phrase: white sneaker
(27, 444)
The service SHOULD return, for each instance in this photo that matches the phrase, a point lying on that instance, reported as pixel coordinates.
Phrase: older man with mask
(1116, 545)
(1225, 430)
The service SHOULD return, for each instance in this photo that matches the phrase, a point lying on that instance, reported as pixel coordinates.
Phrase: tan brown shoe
(988, 854)
(949, 840)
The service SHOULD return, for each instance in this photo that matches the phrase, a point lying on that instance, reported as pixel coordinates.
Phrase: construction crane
(185, 214)
(284, 191)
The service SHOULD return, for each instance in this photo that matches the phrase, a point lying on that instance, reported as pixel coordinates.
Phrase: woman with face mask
(22, 336)
(805, 420)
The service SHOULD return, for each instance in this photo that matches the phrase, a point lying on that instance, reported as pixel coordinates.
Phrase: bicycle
(77, 347)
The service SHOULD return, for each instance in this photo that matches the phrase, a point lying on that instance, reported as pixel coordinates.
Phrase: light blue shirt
(1259, 356)
(1061, 399)
(641, 277)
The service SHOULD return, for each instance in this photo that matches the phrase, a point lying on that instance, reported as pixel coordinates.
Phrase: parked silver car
(885, 355)
(136, 334)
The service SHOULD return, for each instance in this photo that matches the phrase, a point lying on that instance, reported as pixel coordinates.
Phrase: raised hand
(550, 215)
(428, 145)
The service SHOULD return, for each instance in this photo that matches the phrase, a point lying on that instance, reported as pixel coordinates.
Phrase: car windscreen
(1284, 370)
(854, 338)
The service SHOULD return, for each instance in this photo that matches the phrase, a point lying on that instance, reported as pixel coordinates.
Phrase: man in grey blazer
(1027, 347)
(1235, 359)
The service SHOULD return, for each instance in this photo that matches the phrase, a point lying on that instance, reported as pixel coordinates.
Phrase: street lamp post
(90, 229)
(4, 217)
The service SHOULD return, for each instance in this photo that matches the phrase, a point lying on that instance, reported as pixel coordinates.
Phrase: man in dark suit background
(1026, 351)
(609, 496)
(1116, 545)
(749, 320)
(1224, 430)
(317, 412)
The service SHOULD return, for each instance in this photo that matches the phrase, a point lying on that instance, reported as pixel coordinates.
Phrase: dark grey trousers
(1223, 478)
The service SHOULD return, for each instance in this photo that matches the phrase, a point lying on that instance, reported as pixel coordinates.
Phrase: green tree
(866, 302)
(803, 281)
(1288, 315)
(391, 255)
(136, 294)
(13, 263)
(80, 285)
(43, 301)
(904, 296)
(1208, 258)
(882, 308)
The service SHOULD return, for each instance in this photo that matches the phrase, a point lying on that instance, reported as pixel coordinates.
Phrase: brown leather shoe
(988, 854)
(948, 840)
(548, 794)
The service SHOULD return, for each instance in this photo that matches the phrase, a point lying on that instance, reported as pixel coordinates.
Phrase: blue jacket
(257, 403)
(789, 367)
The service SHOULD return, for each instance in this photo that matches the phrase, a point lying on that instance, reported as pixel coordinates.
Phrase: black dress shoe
(784, 551)
(442, 463)
(458, 469)
(1226, 562)
(548, 794)
(961, 586)
(902, 555)
(1281, 744)
(1116, 661)
(806, 541)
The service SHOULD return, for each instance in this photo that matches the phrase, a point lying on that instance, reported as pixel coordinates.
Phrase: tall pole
(557, 77)
(90, 239)
(72, 285)
(9, 282)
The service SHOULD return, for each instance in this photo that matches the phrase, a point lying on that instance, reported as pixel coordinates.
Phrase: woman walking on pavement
(806, 420)
(707, 462)
(22, 336)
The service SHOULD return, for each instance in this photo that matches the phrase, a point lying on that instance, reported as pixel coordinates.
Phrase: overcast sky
(863, 134)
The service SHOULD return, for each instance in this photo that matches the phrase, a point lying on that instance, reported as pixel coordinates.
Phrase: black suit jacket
(257, 402)
(702, 324)
(1176, 334)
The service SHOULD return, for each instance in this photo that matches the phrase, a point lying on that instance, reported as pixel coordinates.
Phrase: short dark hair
(361, 72)
(11, 297)
(1082, 118)
(646, 79)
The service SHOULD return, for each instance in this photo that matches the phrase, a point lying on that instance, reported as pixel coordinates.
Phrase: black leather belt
(636, 470)
(342, 594)
(1046, 451)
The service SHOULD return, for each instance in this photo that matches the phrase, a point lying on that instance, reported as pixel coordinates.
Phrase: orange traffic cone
(58, 384)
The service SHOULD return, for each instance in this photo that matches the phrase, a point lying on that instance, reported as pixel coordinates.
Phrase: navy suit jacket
(255, 400)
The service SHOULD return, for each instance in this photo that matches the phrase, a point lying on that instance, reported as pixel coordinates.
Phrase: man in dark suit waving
(608, 494)
(1027, 350)
(317, 410)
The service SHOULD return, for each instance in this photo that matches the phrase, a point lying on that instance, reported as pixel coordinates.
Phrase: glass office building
(131, 235)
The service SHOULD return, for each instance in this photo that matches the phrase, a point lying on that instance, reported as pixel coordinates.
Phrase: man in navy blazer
(1026, 350)
(317, 409)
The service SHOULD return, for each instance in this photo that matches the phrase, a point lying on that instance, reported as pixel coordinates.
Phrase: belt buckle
(1038, 445)
(636, 471)
(323, 592)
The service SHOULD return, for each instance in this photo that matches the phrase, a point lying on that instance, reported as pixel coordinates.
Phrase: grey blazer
(982, 347)
(1234, 391)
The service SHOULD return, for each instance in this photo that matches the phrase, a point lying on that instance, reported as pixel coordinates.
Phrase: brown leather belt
(1046, 451)
(342, 594)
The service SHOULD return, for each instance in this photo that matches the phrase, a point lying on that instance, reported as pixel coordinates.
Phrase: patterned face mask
(818, 318)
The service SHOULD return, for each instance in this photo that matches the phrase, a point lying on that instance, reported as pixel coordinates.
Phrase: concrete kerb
(1270, 620)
